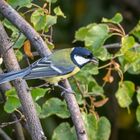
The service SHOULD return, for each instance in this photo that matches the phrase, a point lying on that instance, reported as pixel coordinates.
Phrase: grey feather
(6, 77)
(44, 68)
(47, 71)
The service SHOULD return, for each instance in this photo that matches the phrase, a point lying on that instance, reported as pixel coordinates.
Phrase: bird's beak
(94, 60)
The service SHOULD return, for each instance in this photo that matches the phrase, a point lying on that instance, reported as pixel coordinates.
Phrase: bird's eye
(88, 56)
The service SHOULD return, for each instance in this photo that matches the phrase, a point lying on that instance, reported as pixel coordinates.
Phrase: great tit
(60, 65)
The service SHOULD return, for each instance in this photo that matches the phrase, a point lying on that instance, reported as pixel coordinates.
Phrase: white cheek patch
(80, 60)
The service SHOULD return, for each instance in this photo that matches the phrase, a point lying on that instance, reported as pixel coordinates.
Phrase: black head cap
(82, 52)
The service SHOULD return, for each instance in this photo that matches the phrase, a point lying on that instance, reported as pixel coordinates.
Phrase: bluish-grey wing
(44, 68)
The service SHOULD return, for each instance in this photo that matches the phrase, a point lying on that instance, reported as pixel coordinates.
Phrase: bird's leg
(64, 89)
(42, 85)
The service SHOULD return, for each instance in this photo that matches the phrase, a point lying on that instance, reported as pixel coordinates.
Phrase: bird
(60, 65)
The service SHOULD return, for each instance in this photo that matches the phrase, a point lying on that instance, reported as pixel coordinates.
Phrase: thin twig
(113, 46)
(31, 10)
(22, 117)
(51, 29)
(78, 86)
(4, 135)
(121, 29)
(13, 43)
(35, 5)
(18, 128)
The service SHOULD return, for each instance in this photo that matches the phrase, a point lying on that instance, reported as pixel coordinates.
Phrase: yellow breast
(54, 80)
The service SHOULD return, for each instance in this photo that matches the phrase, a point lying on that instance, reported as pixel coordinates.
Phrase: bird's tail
(6, 77)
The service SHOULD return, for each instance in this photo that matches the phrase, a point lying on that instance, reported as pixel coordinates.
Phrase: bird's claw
(67, 91)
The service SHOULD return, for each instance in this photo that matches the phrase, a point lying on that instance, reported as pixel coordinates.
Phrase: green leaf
(79, 98)
(50, 20)
(124, 94)
(19, 42)
(134, 61)
(20, 3)
(88, 85)
(78, 94)
(38, 108)
(138, 114)
(38, 93)
(95, 89)
(52, 1)
(131, 67)
(10, 26)
(64, 131)
(124, 64)
(138, 95)
(104, 129)
(12, 101)
(135, 68)
(49, 44)
(54, 106)
(128, 42)
(136, 31)
(116, 19)
(101, 53)
(131, 56)
(59, 12)
(11, 92)
(96, 35)
(39, 18)
(89, 69)
(15, 38)
(81, 33)
(19, 55)
(11, 104)
(130, 61)
(91, 125)
(97, 129)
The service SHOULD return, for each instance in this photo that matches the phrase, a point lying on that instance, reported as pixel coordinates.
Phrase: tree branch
(113, 46)
(18, 128)
(4, 135)
(118, 46)
(43, 50)
(24, 95)
(19, 131)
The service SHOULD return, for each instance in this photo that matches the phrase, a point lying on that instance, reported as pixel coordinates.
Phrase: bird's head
(81, 56)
